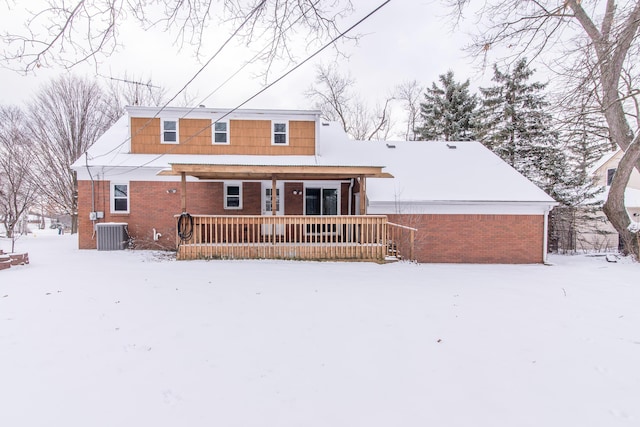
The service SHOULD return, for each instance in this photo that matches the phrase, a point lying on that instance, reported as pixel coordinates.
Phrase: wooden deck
(361, 237)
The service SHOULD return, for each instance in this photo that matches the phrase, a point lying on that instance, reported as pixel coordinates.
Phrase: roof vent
(451, 147)
(202, 106)
(325, 124)
(391, 146)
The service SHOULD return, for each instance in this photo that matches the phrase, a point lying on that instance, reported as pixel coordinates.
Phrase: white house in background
(215, 183)
(599, 234)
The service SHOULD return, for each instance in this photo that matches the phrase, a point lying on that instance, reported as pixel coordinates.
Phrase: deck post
(363, 195)
(183, 191)
(274, 199)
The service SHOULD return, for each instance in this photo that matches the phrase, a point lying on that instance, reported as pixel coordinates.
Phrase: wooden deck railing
(401, 241)
(285, 237)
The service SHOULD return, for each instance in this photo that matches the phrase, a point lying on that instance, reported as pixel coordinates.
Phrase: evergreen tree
(586, 139)
(574, 223)
(449, 111)
(518, 128)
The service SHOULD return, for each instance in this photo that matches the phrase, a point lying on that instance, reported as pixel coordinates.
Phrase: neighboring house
(598, 234)
(285, 184)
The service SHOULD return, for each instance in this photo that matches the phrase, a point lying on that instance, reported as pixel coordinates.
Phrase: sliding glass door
(323, 202)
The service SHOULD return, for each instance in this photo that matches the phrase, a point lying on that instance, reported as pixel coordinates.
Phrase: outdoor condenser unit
(112, 236)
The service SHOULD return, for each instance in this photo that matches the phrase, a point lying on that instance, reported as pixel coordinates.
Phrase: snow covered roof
(424, 171)
(603, 160)
(434, 171)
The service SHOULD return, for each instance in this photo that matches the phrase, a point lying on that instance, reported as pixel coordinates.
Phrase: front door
(267, 206)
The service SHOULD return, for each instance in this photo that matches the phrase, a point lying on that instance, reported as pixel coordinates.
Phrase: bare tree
(599, 39)
(69, 32)
(65, 118)
(410, 93)
(334, 96)
(18, 190)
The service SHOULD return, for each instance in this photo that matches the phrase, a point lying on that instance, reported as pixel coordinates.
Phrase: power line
(335, 39)
(237, 30)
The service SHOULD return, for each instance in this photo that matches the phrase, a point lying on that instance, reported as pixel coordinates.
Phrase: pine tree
(449, 111)
(574, 223)
(586, 140)
(518, 128)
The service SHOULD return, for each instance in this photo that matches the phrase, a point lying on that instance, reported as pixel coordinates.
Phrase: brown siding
(504, 239)
(145, 136)
(250, 137)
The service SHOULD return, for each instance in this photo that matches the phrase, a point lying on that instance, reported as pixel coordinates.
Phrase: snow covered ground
(126, 338)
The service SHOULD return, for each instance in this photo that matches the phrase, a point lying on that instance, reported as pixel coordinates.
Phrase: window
(169, 131)
(120, 198)
(610, 174)
(221, 133)
(280, 133)
(233, 196)
(268, 206)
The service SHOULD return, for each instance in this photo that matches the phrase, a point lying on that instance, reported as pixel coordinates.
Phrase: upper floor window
(169, 131)
(280, 133)
(610, 174)
(119, 198)
(221, 133)
(233, 196)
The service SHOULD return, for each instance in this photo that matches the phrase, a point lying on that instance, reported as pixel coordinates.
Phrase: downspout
(545, 237)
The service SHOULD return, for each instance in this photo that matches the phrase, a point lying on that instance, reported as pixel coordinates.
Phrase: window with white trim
(221, 133)
(233, 196)
(169, 131)
(119, 198)
(280, 133)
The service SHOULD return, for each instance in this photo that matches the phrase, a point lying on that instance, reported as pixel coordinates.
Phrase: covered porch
(315, 234)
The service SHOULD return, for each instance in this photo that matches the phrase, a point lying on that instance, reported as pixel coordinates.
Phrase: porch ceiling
(263, 172)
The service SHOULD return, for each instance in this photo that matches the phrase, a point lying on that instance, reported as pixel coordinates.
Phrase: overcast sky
(405, 40)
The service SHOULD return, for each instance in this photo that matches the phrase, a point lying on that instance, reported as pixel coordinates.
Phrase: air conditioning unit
(112, 236)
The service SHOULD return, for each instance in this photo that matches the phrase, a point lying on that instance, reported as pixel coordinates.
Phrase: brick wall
(509, 239)
(153, 206)
(440, 238)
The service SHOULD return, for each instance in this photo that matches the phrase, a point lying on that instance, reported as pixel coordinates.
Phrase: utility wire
(336, 38)
(226, 42)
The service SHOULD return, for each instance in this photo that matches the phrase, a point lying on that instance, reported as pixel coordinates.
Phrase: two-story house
(215, 183)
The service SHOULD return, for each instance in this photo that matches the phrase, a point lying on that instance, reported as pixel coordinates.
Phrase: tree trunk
(614, 207)
(74, 204)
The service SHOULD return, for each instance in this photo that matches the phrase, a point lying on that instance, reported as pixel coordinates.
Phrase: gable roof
(606, 157)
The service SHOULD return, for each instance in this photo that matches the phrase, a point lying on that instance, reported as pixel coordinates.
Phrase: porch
(301, 237)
